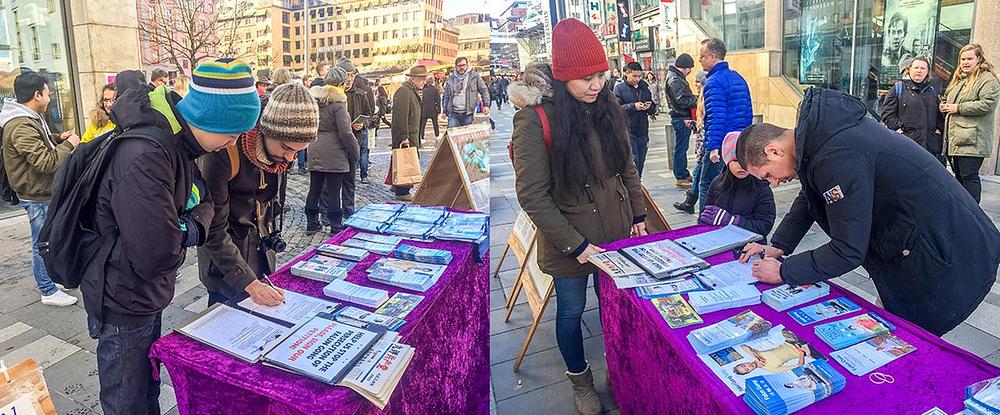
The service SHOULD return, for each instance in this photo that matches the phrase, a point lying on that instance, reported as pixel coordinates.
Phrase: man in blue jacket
(887, 205)
(638, 104)
(727, 108)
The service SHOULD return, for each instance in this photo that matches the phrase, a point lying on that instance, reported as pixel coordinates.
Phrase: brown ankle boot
(584, 393)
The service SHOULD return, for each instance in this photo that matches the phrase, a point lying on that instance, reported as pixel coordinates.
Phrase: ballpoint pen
(269, 283)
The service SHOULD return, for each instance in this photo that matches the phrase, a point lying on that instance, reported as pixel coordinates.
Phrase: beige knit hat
(291, 114)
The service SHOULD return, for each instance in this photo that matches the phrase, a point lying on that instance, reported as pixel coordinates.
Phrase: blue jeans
(127, 384)
(709, 171)
(303, 157)
(36, 218)
(682, 137)
(695, 178)
(639, 148)
(457, 120)
(363, 141)
(571, 300)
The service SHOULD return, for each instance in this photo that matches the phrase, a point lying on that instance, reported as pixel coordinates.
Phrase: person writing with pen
(887, 205)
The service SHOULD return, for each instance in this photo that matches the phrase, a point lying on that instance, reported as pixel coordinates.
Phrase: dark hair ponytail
(572, 124)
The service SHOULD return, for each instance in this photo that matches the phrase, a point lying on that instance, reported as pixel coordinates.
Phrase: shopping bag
(23, 390)
(406, 166)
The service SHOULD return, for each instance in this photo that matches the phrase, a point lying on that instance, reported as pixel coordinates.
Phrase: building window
(298, 31)
(284, 17)
(739, 23)
(284, 31)
(416, 32)
(287, 46)
(357, 38)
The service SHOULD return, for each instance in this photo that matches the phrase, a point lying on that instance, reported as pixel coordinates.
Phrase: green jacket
(567, 219)
(405, 115)
(32, 158)
(969, 132)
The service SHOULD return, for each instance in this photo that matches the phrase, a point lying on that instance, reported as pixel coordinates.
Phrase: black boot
(312, 223)
(687, 206)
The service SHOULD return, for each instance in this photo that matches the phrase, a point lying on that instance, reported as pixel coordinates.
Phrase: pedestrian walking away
(683, 104)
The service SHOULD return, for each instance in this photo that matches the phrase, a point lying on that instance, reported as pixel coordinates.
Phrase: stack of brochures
(852, 330)
(983, 397)
(789, 391)
(318, 271)
(824, 310)
(786, 296)
(664, 259)
(374, 218)
(676, 311)
(730, 332)
(400, 305)
(416, 276)
(346, 291)
(428, 255)
(777, 351)
(411, 229)
(361, 318)
(378, 372)
(872, 354)
(727, 274)
(720, 240)
(724, 298)
(342, 252)
(422, 214)
(668, 288)
(465, 227)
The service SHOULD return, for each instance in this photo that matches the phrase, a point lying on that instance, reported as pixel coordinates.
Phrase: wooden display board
(459, 174)
(23, 390)
(655, 221)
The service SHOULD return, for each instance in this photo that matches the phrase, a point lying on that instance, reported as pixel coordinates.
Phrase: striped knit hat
(222, 97)
(728, 151)
(290, 115)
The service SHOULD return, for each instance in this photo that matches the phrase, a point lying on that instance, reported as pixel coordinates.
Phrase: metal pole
(434, 25)
(854, 45)
(305, 45)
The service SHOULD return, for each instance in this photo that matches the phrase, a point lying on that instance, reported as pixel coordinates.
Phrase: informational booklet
(235, 332)
(412, 275)
(842, 333)
(319, 271)
(342, 252)
(426, 255)
(664, 289)
(983, 397)
(724, 298)
(780, 351)
(664, 259)
(615, 264)
(422, 214)
(357, 294)
(297, 308)
(360, 223)
(322, 349)
(378, 238)
(412, 228)
(720, 240)
(638, 280)
(786, 296)
(373, 247)
(791, 391)
(378, 372)
(377, 213)
(872, 354)
(466, 227)
(727, 274)
(821, 311)
(333, 262)
(729, 332)
(400, 305)
(676, 311)
(358, 317)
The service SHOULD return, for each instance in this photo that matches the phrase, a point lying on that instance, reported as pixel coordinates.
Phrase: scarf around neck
(253, 147)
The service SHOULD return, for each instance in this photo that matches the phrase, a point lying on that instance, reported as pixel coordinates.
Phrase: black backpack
(69, 242)
(6, 192)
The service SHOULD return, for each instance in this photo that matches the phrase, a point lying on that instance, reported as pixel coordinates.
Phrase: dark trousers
(423, 127)
(709, 171)
(967, 172)
(331, 188)
(571, 300)
(682, 137)
(639, 147)
(362, 137)
(126, 377)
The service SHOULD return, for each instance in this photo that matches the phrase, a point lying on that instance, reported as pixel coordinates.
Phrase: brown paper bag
(406, 166)
(23, 390)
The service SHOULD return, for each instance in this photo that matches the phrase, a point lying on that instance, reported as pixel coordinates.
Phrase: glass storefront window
(739, 23)
(33, 37)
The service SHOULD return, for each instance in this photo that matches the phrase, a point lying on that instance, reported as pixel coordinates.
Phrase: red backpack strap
(546, 130)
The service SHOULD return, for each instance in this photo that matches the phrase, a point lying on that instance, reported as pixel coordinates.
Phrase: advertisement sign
(820, 42)
(909, 28)
(594, 13)
(668, 24)
(624, 21)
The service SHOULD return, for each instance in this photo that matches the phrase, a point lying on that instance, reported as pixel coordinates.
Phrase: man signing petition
(887, 204)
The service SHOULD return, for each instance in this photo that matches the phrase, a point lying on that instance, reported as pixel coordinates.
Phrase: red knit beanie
(576, 52)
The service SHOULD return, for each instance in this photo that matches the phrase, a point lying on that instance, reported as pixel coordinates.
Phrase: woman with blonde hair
(969, 104)
(100, 120)
(181, 83)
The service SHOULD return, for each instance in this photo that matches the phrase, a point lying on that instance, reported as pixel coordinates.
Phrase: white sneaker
(59, 299)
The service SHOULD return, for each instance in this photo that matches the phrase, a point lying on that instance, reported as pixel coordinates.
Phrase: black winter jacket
(628, 96)
(680, 99)
(430, 101)
(141, 197)
(750, 198)
(890, 207)
(916, 113)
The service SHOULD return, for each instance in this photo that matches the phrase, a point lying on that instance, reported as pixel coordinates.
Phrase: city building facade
(473, 37)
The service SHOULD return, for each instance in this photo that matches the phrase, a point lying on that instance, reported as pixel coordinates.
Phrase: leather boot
(584, 393)
(687, 206)
(312, 223)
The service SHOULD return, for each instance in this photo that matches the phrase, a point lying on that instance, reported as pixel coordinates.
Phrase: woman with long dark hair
(580, 191)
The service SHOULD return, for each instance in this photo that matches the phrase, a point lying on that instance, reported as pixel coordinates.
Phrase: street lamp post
(305, 45)
(433, 38)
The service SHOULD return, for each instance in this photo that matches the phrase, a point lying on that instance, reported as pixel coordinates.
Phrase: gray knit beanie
(335, 76)
(290, 115)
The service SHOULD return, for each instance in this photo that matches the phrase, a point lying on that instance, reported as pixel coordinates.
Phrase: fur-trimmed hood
(327, 94)
(534, 87)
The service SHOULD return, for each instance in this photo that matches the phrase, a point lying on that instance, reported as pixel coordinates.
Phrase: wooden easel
(446, 182)
(655, 221)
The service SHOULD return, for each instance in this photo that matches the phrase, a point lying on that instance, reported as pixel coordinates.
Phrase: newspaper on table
(729, 332)
(379, 238)
(720, 240)
(983, 397)
(378, 372)
(320, 271)
(615, 264)
(872, 354)
(664, 259)
(422, 214)
(357, 294)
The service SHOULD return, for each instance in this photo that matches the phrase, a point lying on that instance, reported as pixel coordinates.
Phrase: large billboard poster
(821, 41)
(909, 30)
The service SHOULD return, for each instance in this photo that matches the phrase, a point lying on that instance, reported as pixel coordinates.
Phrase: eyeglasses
(108, 100)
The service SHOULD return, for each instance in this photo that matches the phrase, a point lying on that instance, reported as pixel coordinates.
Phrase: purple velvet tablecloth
(654, 370)
(449, 373)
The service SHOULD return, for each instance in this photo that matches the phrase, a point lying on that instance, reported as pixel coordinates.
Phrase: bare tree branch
(189, 30)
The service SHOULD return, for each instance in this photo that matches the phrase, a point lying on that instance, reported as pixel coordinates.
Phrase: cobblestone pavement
(57, 337)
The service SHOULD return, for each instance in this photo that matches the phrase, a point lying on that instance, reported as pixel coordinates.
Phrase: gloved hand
(714, 215)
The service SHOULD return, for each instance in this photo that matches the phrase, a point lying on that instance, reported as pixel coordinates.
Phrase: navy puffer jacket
(727, 104)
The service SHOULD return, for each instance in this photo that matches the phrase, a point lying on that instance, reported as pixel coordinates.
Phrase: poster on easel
(23, 390)
(459, 174)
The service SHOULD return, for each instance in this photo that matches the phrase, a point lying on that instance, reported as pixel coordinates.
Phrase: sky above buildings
(454, 8)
